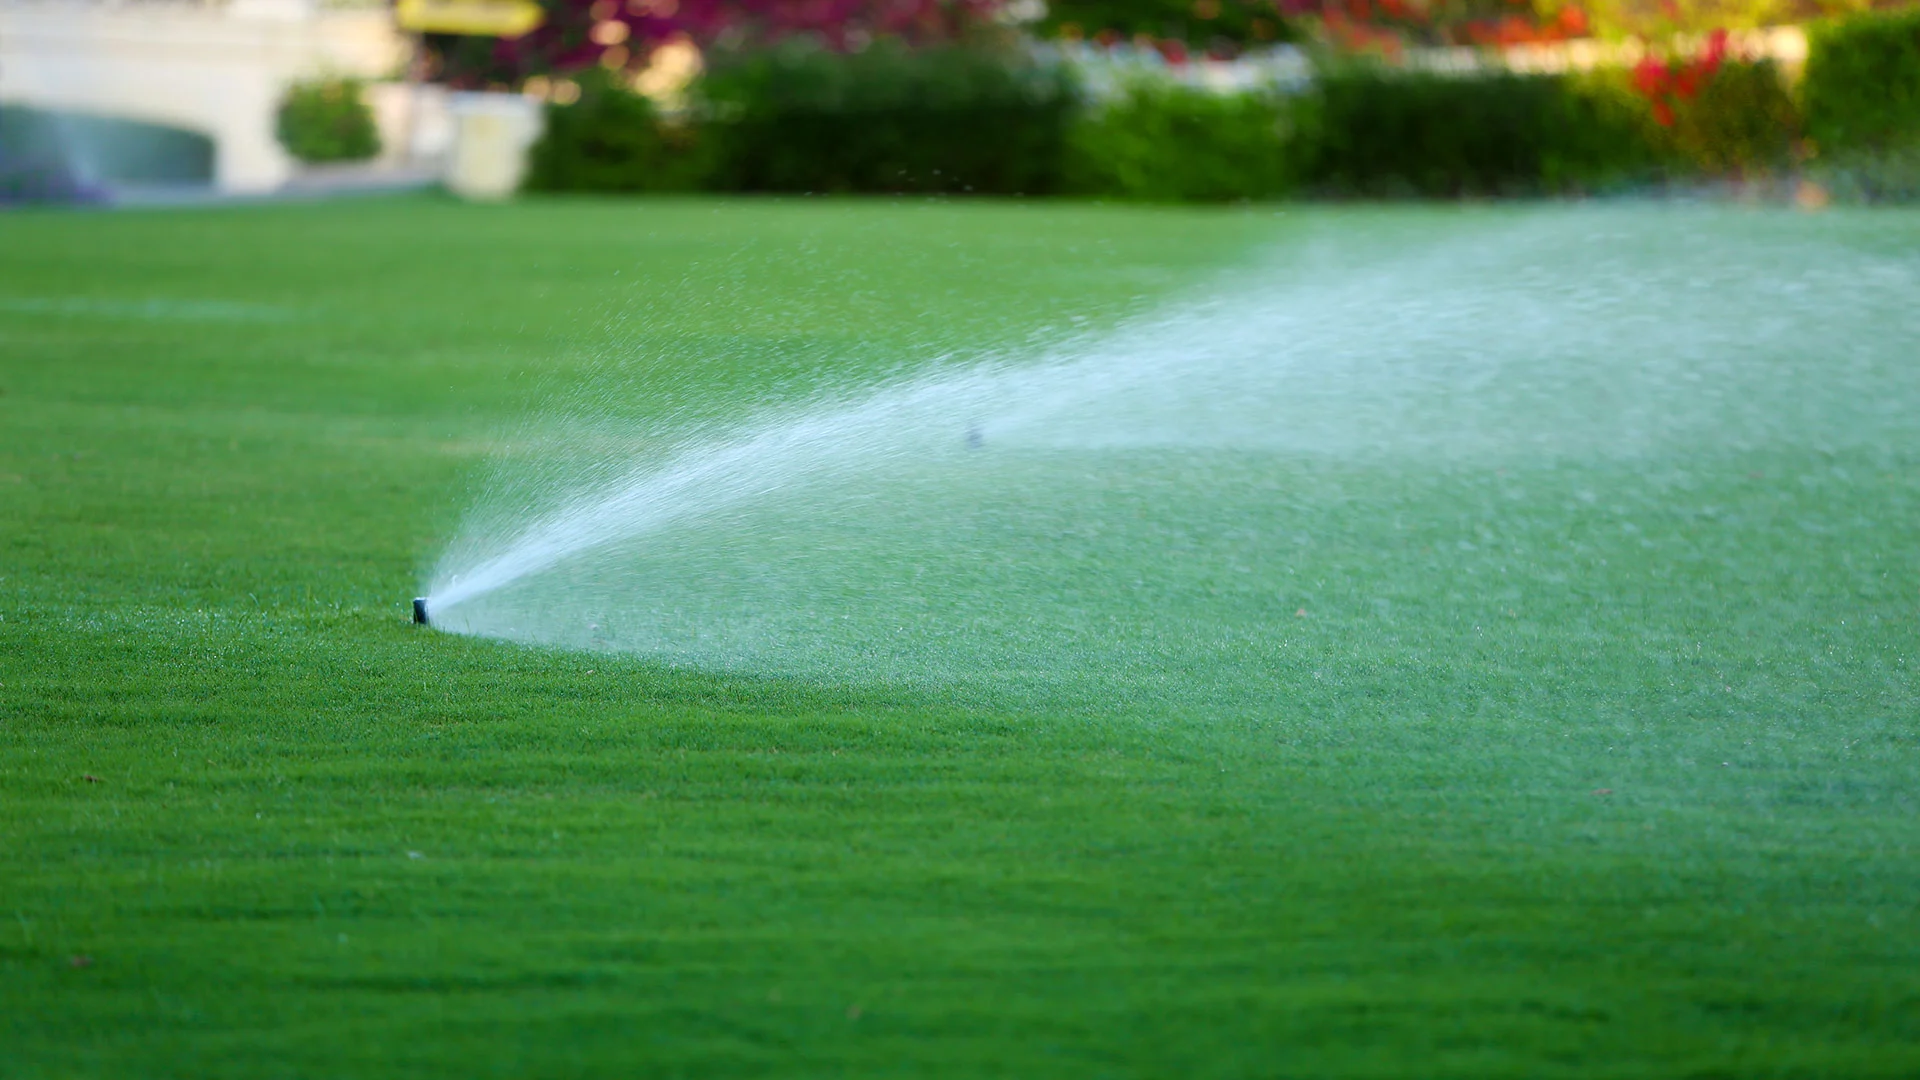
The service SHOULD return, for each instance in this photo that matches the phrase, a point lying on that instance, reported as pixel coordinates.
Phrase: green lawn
(1387, 753)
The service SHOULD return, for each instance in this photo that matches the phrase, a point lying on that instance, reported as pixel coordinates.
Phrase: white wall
(216, 68)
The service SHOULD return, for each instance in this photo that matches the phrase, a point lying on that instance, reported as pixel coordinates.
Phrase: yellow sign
(484, 18)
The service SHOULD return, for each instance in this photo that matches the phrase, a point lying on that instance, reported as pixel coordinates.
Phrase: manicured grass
(1601, 766)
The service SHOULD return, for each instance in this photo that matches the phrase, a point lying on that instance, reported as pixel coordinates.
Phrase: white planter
(491, 136)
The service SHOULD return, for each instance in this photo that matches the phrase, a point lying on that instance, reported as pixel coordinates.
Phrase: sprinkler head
(420, 610)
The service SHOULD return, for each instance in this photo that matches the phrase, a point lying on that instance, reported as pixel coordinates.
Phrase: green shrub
(1742, 122)
(1385, 133)
(327, 120)
(1862, 81)
(613, 140)
(889, 119)
(1165, 142)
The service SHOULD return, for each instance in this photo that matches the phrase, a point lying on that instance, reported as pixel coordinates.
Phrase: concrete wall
(216, 68)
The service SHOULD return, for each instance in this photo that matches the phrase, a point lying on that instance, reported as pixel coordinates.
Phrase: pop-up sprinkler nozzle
(420, 610)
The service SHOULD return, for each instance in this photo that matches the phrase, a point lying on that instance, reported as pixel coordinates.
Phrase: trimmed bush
(1170, 143)
(327, 120)
(948, 119)
(955, 120)
(614, 140)
(1390, 133)
(1742, 122)
(1862, 84)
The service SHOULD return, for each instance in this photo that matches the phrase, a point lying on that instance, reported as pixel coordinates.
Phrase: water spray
(867, 529)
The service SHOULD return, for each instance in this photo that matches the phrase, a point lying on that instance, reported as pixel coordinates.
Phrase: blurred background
(1164, 100)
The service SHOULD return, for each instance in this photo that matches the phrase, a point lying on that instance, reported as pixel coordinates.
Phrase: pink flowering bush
(620, 35)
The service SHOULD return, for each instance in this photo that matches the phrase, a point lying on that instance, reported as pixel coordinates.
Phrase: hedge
(955, 120)
(1862, 81)
(887, 119)
(1392, 133)
(1169, 143)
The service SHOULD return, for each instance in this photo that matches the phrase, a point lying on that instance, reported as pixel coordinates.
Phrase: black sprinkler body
(420, 610)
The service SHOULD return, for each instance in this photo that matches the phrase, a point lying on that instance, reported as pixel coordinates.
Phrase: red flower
(1716, 48)
(1663, 114)
(1650, 77)
(1686, 82)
